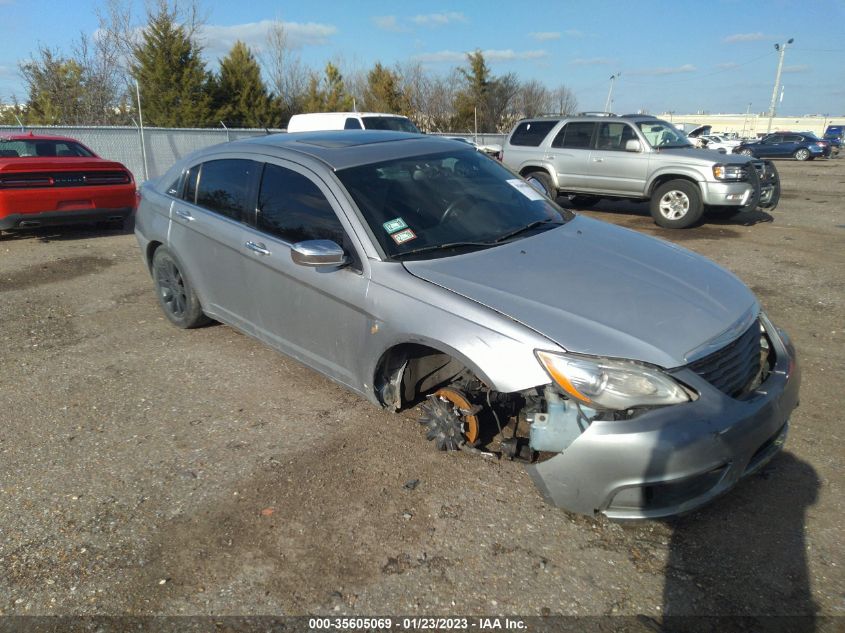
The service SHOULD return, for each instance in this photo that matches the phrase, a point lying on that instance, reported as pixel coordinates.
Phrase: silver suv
(637, 157)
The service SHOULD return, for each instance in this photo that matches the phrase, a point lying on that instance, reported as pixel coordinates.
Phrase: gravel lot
(148, 470)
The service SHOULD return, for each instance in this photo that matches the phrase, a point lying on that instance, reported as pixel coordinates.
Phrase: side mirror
(633, 145)
(318, 253)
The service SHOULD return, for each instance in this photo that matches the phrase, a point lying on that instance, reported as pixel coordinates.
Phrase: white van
(315, 121)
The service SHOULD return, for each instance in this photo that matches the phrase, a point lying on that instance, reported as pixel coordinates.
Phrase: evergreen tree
(171, 73)
(383, 92)
(328, 95)
(56, 87)
(241, 98)
(483, 94)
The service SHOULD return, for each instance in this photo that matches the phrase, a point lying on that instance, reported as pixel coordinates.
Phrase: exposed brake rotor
(450, 419)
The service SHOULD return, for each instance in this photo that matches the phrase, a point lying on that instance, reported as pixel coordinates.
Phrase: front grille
(63, 179)
(734, 367)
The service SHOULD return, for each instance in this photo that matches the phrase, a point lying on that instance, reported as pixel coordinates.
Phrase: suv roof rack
(596, 114)
(640, 116)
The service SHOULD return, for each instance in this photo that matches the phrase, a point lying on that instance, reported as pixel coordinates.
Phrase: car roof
(340, 149)
(35, 137)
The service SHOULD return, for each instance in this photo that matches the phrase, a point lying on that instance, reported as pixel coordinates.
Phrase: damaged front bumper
(674, 459)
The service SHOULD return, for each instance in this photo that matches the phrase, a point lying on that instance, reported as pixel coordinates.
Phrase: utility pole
(610, 92)
(781, 48)
(745, 120)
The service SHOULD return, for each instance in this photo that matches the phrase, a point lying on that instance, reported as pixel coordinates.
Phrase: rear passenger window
(575, 135)
(224, 186)
(292, 207)
(352, 124)
(531, 133)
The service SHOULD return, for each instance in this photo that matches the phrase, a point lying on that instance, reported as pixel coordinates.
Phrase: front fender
(407, 309)
(673, 171)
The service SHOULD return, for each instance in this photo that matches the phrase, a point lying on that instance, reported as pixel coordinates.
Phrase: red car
(50, 180)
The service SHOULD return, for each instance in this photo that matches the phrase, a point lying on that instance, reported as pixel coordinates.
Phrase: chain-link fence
(164, 146)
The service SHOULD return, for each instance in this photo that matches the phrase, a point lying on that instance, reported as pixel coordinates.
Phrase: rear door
(207, 235)
(316, 315)
(569, 152)
(612, 168)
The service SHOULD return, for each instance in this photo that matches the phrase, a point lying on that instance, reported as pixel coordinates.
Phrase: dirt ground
(148, 470)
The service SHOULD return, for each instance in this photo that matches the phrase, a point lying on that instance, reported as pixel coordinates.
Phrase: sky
(685, 57)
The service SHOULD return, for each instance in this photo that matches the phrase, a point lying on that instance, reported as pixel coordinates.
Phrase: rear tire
(676, 204)
(545, 180)
(176, 296)
(802, 154)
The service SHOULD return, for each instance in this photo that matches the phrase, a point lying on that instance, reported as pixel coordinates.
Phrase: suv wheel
(175, 294)
(802, 154)
(544, 180)
(676, 204)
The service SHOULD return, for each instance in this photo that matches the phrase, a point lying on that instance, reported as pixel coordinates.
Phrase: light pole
(745, 120)
(782, 49)
(610, 92)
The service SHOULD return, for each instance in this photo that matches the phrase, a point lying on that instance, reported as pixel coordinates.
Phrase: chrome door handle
(257, 247)
(185, 215)
(598, 160)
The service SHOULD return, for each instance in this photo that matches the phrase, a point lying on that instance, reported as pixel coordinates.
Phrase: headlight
(611, 384)
(729, 172)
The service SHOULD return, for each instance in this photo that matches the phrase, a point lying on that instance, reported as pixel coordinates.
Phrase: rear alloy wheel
(676, 204)
(802, 154)
(175, 294)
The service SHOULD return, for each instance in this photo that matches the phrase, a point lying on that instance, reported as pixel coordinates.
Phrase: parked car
(53, 180)
(316, 121)
(637, 157)
(785, 145)
(719, 143)
(414, 269)
(835, 134)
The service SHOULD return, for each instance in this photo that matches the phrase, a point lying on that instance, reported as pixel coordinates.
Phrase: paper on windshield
(525, 189)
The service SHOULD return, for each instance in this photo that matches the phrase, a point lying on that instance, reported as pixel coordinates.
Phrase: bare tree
(431, 97)
(563, 100)
(287, 74)
(533, 99)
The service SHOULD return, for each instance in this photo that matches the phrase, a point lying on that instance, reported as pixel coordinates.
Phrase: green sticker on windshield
(397, 224)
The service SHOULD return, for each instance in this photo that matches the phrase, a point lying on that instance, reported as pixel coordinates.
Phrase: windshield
(25, 148)
(394, 123)
(662, 134)
(443, 204)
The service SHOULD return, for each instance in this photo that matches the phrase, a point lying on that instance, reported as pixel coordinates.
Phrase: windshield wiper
(438, 247)
(527, 227)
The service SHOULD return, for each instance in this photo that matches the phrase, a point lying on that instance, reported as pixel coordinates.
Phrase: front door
(316, 315)
(613, 169)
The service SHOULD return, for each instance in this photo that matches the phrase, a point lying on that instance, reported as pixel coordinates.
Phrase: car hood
(595, 288)
(698, 155)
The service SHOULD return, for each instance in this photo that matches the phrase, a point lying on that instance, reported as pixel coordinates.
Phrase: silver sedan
(635, 378)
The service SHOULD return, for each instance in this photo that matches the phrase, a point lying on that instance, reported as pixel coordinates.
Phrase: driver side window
(292, 207)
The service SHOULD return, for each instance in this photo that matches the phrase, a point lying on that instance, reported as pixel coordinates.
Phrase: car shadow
(632, 209)
(70, 232)
(740, 563)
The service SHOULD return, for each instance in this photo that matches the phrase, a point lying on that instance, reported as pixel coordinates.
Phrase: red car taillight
(19, 181)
